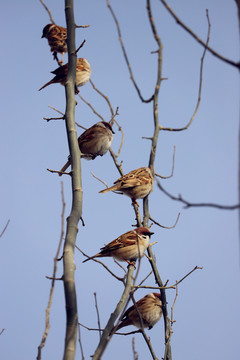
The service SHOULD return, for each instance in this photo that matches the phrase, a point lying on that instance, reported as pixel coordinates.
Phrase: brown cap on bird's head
(144, 231)
(46, 30)
(109, 126)
(157, 295)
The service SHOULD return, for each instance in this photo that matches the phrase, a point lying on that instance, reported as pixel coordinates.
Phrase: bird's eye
(145, 236)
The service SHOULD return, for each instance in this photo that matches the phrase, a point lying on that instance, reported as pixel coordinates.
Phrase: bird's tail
(112, 188)
(123, 323)
(48, 83)
(92, 257)
(68, 163)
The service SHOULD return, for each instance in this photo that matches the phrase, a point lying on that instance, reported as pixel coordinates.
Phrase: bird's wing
(61, 70)
(124, 240)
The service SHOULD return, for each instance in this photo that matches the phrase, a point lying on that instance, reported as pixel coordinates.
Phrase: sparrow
(93, 142)
(56, 36)
(127, 247)
(150, 308)
(83, 73)
(137, 184)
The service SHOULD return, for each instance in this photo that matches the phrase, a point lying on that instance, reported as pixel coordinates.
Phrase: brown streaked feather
(150, 308)
(119, 243)
(135, 178)
(128, 246)
(83, 72)
(56, 36)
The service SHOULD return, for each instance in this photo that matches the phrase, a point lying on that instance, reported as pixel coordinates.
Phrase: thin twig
(103, 182)
(54, 118)
(135, 354)
(91, 107)
(53, 278)
(99, 262)
(80, 342)
(113, 155)
(59, 172)
(80, 46)
(58, 111)
(122, 139)
(165, 227)
(106, 336)
(171, 286)
(49, 12)
(212, 51)
(172, 308)
(98, 317)
(2, 331)
(172, 321)
(104, 96)
(190, 204)
(116, 262)
(5, 228)
(200, 86)
(117, 333)
(82, 127)
(82, 26)
(143, 280)
(173, 166)
(125, 55)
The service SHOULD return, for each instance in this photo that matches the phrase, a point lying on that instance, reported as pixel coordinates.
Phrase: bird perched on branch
(150, 308)
(83, 72)
(127, 247)
(137, 184)
(93, 142)
(56, 36)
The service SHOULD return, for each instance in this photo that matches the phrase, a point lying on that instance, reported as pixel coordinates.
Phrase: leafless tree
(130, 278)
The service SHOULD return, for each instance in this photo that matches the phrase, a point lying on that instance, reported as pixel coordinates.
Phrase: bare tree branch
(91, 107)
(125, 55)
(98, 316)
(47, 322)
(200, 85)
(58, 111)
(5, 228)
(117, 333)
(147, 340)
(172, 321)
(99, 262)
(151, 165)
(135, 354)
(80, 46)
(173, 166)
(104, 96)
(171, 286)
(53, 118)
(106, 336)
(82, 26)
(80, 342)
(48, 11)
(190, 204)
(185, 27)
(165, 227)
(76, 182)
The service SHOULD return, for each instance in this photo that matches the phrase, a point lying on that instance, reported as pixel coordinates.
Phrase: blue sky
(206, 167)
